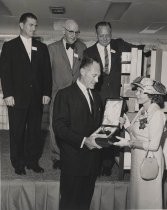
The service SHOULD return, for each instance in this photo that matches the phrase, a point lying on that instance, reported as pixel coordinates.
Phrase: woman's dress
(147, 194)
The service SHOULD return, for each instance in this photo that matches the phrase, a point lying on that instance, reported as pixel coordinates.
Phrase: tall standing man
(26, 85)
(76, 116)
(107, 52)
(66, 55)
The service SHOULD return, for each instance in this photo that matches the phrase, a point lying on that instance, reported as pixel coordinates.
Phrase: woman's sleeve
(156, 127)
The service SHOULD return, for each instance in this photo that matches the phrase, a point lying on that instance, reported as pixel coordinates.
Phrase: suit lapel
(113, 56)
(96, 106)
(98, 57)
(77, 58)
(34, 50)
(64, 54)
(23, 49)
(83, 99)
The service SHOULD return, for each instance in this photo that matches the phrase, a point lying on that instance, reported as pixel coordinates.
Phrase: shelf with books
(131, 68)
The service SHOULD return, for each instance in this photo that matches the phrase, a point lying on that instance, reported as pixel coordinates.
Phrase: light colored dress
(147, 194)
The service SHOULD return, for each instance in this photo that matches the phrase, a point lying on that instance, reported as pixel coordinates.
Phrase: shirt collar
(24, 39)
(102, 47)
(81, 86)
(64, 42)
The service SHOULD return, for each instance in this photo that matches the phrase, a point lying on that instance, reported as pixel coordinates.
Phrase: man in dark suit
(66, 55)
(26, 84)
(76, 116)
(107, 52)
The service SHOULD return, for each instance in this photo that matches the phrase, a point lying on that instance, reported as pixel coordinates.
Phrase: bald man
(75, 119)
(65, 55)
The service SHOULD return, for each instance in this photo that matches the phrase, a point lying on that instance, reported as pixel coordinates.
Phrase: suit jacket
(109, 85)
(62, 73)
(72, 121)
(22, 78)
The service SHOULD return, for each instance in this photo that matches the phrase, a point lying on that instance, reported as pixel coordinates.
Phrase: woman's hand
(124, 121)
(122, 143)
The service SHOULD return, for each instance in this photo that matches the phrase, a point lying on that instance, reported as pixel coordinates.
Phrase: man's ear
(82, 71)
(64, 30)
(21, 25)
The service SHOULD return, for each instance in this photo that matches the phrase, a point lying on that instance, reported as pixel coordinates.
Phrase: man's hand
(9, 101)
(90, 141)
(45, 100)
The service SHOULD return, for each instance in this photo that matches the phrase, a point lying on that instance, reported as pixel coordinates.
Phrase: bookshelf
(131, 68)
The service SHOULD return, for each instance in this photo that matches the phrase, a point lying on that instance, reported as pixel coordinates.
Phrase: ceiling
(128, 17)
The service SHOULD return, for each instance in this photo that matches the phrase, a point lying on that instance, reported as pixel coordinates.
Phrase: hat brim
(135, 85)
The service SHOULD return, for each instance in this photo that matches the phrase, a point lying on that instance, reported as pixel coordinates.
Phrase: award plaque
(110, 123)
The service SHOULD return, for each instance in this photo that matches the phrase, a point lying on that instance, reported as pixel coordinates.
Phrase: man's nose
(73, 35)
(96, 79)
(33, 28)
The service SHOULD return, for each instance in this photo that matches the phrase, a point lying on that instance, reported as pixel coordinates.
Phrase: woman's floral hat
(149, 86)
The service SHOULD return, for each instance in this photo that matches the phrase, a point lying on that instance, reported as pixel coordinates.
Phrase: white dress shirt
(102, 56)
(27, 44)
(70, 53)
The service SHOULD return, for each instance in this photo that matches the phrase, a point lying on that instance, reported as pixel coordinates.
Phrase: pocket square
(75, 55)
(34, 48)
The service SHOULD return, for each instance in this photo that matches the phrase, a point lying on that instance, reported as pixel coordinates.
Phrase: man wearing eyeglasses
(65, 55)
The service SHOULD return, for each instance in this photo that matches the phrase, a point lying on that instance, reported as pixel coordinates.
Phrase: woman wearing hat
(145, 133)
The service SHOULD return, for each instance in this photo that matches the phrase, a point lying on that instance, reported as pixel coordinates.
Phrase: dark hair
(158, 99)
(87, 61)
(103, 23)
(24, 17)
(135, 82)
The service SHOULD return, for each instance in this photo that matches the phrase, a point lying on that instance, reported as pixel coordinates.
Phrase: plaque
(110, 123)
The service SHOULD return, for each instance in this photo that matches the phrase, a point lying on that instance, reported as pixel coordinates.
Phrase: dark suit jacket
(22, 78)
(72, 121)
(109, 85)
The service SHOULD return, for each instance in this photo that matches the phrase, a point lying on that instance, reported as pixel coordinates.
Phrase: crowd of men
(75, 81)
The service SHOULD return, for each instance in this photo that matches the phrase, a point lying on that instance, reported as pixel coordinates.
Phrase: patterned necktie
(106, 61)
(91, 102)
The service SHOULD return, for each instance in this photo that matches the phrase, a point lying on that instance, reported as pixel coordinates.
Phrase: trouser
(76, 191)
(25, 135)
(53, 143)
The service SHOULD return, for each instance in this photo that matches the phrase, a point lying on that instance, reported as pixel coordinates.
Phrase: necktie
(91, 102)
(106, 61)
(70, 45)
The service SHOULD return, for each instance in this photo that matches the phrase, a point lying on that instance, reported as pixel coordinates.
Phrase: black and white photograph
(83, 104)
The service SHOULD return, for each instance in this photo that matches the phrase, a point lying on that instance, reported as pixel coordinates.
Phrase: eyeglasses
(73, 32)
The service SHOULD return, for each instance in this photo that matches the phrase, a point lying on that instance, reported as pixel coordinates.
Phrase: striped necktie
(106, 61)
(91, 102)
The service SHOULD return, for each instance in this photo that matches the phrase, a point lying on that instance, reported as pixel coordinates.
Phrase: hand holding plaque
(110, 123)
